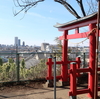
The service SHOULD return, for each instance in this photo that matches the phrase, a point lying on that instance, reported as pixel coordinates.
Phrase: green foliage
(59, 50)
(0, 69)
(22, 69)
(12, 71)
(1, 62)
(23, 63)
(8, 71)
(59, 55)
(38, 71)
(59, 44)
(10, 60)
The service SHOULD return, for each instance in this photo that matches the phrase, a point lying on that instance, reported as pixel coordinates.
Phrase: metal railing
(28, 66)
(15, 66)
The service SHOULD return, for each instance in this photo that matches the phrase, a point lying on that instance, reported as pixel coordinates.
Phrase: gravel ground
(35, 91)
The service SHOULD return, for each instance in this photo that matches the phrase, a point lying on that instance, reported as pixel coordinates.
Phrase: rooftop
(92, 16)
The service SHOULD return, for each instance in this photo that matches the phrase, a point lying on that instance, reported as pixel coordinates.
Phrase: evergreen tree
(1, 62)
(23, 63)
(10, 60)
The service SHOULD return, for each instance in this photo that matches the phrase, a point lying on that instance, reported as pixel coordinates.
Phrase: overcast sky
(34, 27)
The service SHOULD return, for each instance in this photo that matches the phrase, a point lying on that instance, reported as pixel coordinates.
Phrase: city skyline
(17, 42)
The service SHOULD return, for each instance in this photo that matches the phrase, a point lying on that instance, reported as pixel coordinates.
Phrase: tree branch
(92, 6)
(25, 5)
(81, 6)
(68, 7)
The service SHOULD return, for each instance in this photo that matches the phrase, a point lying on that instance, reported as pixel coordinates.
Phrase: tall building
(23, 43)
(16, 41)
(19, 42)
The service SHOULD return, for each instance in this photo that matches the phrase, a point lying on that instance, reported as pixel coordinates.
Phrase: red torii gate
(91, 22)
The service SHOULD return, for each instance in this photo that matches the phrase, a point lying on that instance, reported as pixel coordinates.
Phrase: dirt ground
(35, 90)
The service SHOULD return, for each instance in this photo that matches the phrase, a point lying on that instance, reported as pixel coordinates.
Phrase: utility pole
(97, 51)
(54, 75)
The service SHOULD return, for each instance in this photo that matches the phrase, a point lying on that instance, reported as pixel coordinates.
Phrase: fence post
(78, 65)
(55, 77)
(84, 59)
(18, 68)
(72, 92)
(49, 72)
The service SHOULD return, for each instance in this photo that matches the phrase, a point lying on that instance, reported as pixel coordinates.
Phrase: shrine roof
(91, 16)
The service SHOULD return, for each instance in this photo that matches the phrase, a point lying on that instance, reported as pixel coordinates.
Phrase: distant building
(45, 47)
(19, 42)
(23, 44)
(16, 41)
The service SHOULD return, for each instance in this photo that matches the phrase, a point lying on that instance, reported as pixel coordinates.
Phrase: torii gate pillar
(64, 67)
(92, 57)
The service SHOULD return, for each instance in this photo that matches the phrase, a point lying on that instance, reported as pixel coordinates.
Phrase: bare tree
(25, 5)
(92, 6)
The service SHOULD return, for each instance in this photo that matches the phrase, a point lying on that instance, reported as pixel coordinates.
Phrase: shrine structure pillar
(92, 57)
(64, 67)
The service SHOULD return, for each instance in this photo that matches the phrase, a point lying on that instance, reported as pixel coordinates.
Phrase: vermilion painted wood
(98, 88)
(76, 36)
(81, 24)
(78, 65)
(82, 91)
(83, 70)
(91, 23)
(64, 67)
(92, 58)
(77, 24)
(73, 79)
(49, 73)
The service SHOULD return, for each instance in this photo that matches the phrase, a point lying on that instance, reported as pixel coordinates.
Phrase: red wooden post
(72, 92)
(64, 69)
(76, 30)
(78, 65)
(49, 72)
(91, 76)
